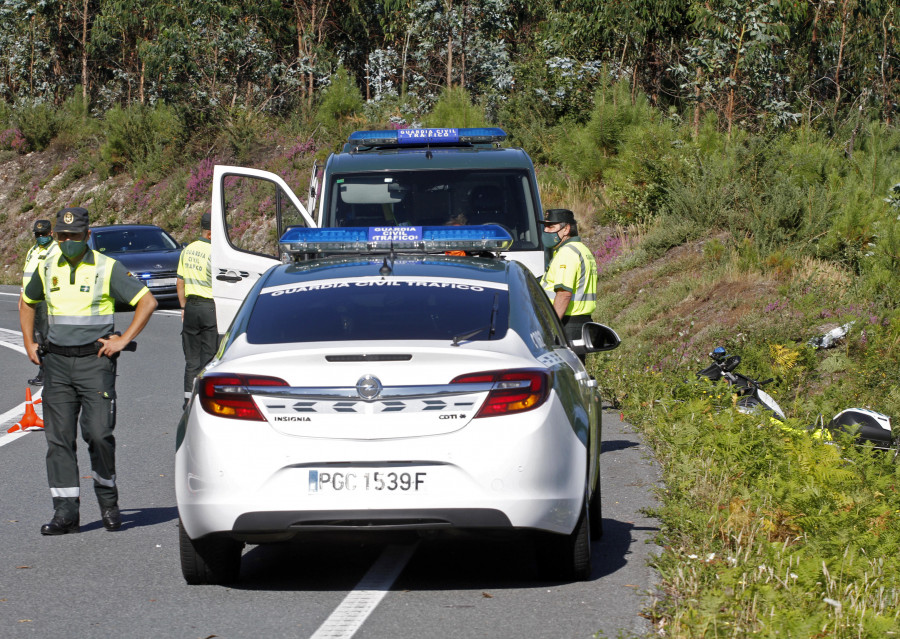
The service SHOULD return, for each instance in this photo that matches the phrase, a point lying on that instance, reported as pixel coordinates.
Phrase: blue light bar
(402, 239)
(407, 137)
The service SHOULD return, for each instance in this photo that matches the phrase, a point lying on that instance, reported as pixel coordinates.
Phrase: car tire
(567, 557)
(214, 559)
(595, 513)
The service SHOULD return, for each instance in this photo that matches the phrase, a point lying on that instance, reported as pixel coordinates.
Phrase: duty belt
(74, 351)
(199, 298)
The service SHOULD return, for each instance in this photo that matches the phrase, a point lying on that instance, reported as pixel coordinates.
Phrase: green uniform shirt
(195, 268)
(574, 269)
(36, 254)
(81, 300)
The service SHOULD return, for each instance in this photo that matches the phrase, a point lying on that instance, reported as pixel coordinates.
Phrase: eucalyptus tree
(41, 46)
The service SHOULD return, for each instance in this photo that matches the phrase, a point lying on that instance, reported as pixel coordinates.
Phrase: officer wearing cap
(81, 288)
(199, 335)
(571, 278)
(43, 245)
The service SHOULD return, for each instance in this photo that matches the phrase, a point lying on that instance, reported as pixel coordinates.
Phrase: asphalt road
(129, 583)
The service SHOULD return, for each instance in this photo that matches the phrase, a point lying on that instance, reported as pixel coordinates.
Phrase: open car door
(251, 209)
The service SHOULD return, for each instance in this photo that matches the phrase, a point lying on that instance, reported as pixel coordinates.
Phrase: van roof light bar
(432, 137)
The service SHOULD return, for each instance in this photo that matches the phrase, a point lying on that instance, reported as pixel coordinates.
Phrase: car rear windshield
(435, 198)
(362, 309)
(131, 240)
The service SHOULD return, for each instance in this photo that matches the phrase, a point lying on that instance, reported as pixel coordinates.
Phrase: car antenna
(387, 269)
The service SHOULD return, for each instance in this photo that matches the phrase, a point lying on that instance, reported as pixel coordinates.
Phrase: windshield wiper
(491, 327)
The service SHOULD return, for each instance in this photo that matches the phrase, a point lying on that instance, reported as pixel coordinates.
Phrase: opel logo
(369, 387)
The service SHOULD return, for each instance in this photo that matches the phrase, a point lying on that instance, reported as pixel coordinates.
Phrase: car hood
(148, 261)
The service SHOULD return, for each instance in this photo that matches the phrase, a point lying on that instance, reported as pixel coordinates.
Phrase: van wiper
(490, 327)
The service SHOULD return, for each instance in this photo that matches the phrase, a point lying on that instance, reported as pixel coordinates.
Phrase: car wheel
(595, 513)
(215, 559)
(567, 557)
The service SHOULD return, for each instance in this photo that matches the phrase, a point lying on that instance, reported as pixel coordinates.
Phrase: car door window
(256, 213)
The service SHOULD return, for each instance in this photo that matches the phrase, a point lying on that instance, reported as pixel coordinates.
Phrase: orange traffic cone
(30, 420)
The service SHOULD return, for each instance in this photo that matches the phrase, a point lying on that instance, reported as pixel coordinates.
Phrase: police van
(405, 177)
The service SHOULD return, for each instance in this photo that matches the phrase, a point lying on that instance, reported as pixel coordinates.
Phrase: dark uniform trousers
(572, 325)
(86, 387)
(199, 336)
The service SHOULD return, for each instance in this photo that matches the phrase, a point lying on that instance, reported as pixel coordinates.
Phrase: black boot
(39, 380)
(61, 525)
(112, 520)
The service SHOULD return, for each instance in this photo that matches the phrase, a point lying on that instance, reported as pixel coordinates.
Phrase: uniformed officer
(199, 335)
(43, 245)
(81, 288)
(571, 278)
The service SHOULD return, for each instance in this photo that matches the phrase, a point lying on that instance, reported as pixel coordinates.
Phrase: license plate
(163, 281)
(366, 481)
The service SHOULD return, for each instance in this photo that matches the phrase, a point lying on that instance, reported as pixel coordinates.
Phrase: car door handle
(229, 278)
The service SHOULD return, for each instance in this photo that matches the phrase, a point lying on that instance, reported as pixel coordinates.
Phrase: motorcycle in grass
(752, 399)
(868, 425)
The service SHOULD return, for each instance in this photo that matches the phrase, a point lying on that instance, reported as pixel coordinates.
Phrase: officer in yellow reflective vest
(571, 278)
(199, 335)
(43, 245)
(81, 288)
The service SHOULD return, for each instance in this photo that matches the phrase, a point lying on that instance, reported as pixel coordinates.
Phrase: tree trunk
(84, 54)
(729, 110)
(403, 72)
(837, 71)
(449, 60)
(697, 103)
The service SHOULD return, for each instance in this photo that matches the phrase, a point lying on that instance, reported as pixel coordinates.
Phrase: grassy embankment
(756, 243)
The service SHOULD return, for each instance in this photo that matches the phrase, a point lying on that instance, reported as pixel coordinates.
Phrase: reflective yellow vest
(36, 254)
(80, 308)
(194, 268)
(574, 269)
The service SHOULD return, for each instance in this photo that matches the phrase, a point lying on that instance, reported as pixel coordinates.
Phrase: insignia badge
(68, 218)
(55, 281)
(368, 387)
(85, 289)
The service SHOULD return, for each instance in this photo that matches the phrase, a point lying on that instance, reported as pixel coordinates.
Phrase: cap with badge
(41, 227)
(558, 216)
(72, 220)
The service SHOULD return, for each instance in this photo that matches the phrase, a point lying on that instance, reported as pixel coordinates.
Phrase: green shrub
(38, 123)
(455, 109)
(145, 139)
(77, 128)
(243, 129)
(341, 101)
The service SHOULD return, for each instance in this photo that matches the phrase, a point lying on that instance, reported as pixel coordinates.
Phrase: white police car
(386, 385)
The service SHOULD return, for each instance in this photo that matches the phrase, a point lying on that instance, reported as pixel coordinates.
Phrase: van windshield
(435, 198)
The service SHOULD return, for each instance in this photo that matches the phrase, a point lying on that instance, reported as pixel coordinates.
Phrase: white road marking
(10, 294)
(12, 339)
(359, 604)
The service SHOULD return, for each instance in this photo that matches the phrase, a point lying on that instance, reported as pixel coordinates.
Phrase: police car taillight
(228, 395)
(514, 391)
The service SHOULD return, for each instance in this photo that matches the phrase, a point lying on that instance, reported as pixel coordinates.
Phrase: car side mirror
(597, 338)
